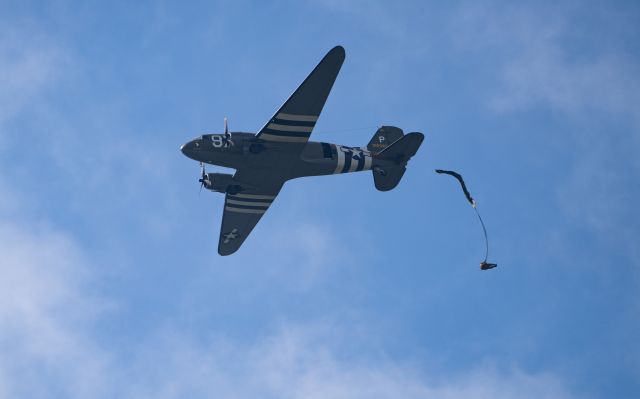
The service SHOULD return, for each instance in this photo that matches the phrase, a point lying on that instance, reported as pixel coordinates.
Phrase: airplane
(281, 151)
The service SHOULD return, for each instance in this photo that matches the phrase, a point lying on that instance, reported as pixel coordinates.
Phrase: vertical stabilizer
(384, 137)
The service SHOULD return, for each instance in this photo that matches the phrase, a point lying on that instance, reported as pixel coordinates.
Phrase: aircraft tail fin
(384, 137)
(390, 163)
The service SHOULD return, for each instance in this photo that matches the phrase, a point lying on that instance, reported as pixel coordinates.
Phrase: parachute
(484, 265)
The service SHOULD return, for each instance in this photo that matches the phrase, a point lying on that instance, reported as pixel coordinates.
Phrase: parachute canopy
(464, 186)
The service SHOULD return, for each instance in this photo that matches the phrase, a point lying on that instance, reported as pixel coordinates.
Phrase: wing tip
(338, 51)
(226, 252)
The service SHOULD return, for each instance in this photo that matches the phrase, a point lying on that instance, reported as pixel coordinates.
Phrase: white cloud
(50, 348)
(543, 73)
(547, 55)
(29, 64)
(305, 362)
(44, 310)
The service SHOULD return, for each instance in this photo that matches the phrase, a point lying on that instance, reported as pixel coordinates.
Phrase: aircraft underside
(281, 151)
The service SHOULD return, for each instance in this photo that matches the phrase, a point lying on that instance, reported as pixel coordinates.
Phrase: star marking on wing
(232, 235)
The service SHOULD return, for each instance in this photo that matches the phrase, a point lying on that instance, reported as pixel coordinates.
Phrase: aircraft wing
(242, 211)
(295, 120)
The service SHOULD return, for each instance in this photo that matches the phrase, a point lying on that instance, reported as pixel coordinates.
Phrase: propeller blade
(227, 135)
(202, 176)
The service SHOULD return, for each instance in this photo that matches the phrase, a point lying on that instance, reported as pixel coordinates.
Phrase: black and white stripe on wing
(289, 128)
(248, 203)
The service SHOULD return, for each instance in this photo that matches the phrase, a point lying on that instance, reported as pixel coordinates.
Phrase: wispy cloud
(544, 72)
(30, 63)
(49, 313)
(544, 56)
(46, 311)
(305, 362)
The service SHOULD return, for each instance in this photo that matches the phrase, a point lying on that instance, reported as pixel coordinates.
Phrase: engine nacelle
(222, 183)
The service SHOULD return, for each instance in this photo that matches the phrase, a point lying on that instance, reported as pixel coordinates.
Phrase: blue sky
(111, 283)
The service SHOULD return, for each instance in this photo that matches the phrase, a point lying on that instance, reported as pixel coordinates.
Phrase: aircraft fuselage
(248, 152)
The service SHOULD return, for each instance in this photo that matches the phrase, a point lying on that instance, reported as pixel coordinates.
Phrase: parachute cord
(486, 238)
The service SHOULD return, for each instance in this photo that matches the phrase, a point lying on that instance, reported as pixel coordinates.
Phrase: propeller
(204, 179)
(227, 135)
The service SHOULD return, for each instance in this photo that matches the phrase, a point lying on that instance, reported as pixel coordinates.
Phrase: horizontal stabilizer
(389, 165)
(389, 178)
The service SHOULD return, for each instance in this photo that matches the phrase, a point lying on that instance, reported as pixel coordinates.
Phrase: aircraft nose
(187, 149)
(190, 149)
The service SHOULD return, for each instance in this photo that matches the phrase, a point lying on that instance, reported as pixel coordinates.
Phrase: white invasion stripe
(301, 118)
(354, 163)
(247, 203)
(340, 160)
(239, 210)
(291, 139)
(288, 128)
(367, 158)
(367, 161)
(254, 196)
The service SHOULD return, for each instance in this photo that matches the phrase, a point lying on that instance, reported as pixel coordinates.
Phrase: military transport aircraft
(281, 151)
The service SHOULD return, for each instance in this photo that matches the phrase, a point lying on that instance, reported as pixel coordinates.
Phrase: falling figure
(484, 265)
